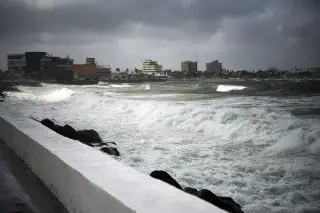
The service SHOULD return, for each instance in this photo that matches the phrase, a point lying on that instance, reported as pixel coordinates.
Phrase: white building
(16, 64)
(150, 67)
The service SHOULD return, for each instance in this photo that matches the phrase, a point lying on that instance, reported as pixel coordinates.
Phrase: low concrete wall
(88, 181)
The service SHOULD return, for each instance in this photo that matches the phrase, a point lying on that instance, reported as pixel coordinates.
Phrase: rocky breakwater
(89, 137)
(225, 203)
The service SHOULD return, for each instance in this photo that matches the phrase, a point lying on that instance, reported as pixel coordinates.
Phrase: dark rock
(111, 143)
(230, 202)
(69, 132)
(48, 123)
(88, 136)
(190, 190)
(165, 177)
(1, 100)
(103, 144)
(223, 203)
(58, 129)
(110, 150)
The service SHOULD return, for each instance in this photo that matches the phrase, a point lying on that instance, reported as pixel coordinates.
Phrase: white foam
(148, 87)
(248, 148)
(58, 95)
(228, 88)
(120, 85)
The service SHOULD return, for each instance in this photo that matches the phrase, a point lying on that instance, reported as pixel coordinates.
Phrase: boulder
(69, 132)
(48, 123)
(223, 203)
(230, 202)
(103, 144)
(110, 150)
(114, 143)
(191, 190)
(88, 136)
(165, 177)
(58, 129)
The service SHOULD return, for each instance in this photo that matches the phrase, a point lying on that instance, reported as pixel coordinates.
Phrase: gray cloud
(241, 33)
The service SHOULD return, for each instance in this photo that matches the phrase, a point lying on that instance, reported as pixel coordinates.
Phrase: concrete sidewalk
(20, 190)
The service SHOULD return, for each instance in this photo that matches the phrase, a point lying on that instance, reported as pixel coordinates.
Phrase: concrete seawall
(88, 181)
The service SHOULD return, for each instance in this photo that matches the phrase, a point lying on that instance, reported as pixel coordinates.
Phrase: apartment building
(16, 64)
(189, 66)
(214, 67)
(150, 67)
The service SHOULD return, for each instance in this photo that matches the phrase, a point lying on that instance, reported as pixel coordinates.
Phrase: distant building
(84, 71)
(33, 62)
(91, 61)
(214, 67)
(16, 64)
(189, 66)
(56, 68)
(103, 73)
(150, 67)
(314, 69)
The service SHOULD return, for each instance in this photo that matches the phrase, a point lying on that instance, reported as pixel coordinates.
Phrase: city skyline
(249, 34)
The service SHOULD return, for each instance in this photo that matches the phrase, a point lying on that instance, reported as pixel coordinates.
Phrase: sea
(257, 141)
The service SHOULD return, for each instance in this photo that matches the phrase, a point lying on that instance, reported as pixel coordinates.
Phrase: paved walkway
(20, 190)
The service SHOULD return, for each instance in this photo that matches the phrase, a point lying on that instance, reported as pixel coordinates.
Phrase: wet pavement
(20, 190)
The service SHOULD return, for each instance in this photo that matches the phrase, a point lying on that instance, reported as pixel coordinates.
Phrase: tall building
(33, 62)
(189, 66)
(16, 64)
(91, 61)
(56, 68)
(214, 67)
(150, 67)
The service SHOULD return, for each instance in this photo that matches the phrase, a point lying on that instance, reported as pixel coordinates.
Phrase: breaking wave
(262, 151)
(228, 88)
(48, 96)
(120, 85)
(147, 87)
(58, 95)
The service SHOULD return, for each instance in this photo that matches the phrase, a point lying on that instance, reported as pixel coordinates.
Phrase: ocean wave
(58, 95)
(253, 148)
(55, 95)
(228, 88)
(147, 87)
(120, 85)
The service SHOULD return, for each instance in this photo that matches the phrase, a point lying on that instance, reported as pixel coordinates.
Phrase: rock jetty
(89, 137)
(225, 203)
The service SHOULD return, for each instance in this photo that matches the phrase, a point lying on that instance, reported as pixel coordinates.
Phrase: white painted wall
(88, 181)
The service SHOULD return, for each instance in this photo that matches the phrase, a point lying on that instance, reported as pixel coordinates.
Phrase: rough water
(255, 141)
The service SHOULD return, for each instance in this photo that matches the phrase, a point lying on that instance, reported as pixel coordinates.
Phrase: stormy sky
(243, 34)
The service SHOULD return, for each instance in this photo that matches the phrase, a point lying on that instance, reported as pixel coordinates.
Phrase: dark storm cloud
(286, 35)
(262, 32)
(104, 16)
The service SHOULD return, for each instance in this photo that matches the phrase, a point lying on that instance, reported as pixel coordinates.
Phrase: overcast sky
(243, 34)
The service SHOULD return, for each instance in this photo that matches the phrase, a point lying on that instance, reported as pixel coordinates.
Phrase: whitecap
(227, 88)
(58, 95)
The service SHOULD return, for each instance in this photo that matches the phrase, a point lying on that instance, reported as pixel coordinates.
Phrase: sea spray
(248, 144)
